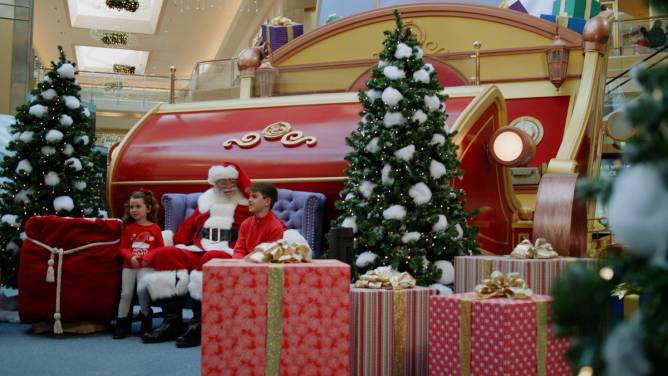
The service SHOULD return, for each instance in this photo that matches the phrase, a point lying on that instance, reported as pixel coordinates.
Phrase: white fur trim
(212, 196)
(166, 284)
(191, 248)
(224, 246)
(294, 237)
(221, 216)
(220, 172)
(168, 237)
(195, 285)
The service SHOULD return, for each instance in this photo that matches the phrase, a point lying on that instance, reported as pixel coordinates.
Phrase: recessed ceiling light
(94, 14)
(100, 59)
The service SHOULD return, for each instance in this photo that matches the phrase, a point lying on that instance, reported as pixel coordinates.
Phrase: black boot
(146, 322)
(172, 323)
(193, 335)
(123, 327)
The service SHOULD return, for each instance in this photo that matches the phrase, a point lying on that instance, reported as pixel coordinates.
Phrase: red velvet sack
(89, 275)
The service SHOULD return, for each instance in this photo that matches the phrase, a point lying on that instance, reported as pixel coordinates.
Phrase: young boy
(261, 227)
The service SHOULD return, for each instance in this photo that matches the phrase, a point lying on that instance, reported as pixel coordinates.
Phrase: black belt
(218, 235)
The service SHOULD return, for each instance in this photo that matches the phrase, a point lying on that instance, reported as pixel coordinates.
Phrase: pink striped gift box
(540, 274)
(389, 331)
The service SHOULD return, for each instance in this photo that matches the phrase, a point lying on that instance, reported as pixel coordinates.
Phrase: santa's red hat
(229, 170)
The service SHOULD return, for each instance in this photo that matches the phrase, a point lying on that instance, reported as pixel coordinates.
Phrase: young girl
(139, 235)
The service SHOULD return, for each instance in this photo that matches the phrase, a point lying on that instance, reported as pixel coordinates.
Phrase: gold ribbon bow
(281, 21)
(385, 277)
(541, 250)
(500, 285)
(279, 252)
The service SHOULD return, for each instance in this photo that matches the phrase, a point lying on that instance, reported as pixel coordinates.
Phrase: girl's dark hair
(151, 204)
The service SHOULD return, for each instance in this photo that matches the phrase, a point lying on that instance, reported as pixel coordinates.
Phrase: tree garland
(112, 38)
(129, 5)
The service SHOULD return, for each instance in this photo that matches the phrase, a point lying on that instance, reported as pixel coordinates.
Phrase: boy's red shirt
(254, 231)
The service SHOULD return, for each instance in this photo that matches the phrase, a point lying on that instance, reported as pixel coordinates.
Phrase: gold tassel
(57, 325)
(50, 278)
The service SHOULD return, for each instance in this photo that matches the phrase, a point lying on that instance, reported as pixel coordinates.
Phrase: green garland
(122, 68)
(114, 38)
(129, 5)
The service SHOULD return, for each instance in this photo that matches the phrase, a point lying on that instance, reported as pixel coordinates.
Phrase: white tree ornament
(432, 102)
(366, 188)
(53, 136)
(394, 212)
(63, 203)
(350, 222)
(24, 166)
(437, 169)
(385, 177)
(410, 237)
(437, 139)
(68, 150)
(447, 272)
(26, 136)
(394, 73)
(48, 150)
(421, 76)
(420, 193)
(403, 51)
(66, 71)
(405, 153)
(74, 163)
(441, 224)
(80, 185)
(38, 110)
(48, 94)
(365, 258)
(65, 120)
(71, 102)
(391, 96)
(374, 94)
(51, 178)
(419, 116)
(393, 118)
(372, 146)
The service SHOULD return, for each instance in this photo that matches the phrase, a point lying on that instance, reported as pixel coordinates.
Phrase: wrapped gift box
(499, 336)
(87, 275)
(390, 331)
(540, 274)
(576, 8)
(623, 309)
(574, 23)
(287, 319)
(277, 35)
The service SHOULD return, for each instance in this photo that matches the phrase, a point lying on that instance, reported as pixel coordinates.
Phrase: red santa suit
(211, 229)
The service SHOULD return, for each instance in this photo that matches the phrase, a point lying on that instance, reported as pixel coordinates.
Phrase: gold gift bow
(541, 250)
(385, 277)
(465, 309)
(279, 252)
(281, 21)
(501, 285)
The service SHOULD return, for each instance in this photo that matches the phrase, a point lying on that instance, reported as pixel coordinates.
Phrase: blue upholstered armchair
(302, 211)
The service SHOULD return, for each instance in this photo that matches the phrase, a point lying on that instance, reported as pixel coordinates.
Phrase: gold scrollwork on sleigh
(280, 130)
(248, 141)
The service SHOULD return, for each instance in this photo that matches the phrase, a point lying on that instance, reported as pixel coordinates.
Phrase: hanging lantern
(557, 61)
(266, 76)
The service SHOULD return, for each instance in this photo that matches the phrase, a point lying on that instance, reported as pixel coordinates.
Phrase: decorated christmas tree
(603, 343)
(399, 198)
(51, 165)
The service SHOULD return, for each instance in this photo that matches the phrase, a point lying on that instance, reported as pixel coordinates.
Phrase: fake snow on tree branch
(44, 169)
(399, 201)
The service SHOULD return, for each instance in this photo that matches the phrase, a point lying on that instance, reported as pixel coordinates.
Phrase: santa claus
(209, 232)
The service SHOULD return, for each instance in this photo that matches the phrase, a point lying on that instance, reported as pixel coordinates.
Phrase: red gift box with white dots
(315, 318)
(503, 338)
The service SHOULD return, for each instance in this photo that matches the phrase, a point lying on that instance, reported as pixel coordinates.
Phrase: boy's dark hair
(149, 200)
(266, 190)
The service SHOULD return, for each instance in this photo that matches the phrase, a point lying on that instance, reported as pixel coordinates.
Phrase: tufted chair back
(299, 210)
